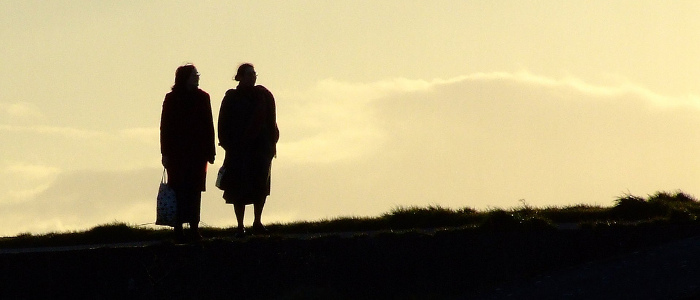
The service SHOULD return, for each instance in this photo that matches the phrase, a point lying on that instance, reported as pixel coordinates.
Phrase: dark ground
(638, 262)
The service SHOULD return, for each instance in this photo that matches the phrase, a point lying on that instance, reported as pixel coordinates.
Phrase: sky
(381, 104)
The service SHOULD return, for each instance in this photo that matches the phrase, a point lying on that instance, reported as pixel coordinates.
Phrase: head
(186, 77)
(246, 74)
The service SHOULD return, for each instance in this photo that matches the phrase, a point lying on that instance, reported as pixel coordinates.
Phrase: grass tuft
(526, 219)
(428, 217)
(630, 207)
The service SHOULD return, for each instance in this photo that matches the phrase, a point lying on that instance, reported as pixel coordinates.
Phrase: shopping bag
(166, 206)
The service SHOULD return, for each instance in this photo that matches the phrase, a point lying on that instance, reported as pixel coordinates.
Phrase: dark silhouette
(187, 144)
(249, 134)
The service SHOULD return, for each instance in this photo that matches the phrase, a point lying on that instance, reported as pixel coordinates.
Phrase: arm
(272, 108)
(224, 119)
(270, 119)
(210, 136)
(166, 128)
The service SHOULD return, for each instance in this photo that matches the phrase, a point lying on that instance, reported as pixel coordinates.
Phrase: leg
(194, 229)
(258, 210)
(179, 216)
(195, 209)
(179, 235)
(239, 209)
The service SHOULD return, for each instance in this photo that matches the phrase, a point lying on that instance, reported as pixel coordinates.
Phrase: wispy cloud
(19, 111)
(23, 181)
(66, 132)
(31, 171)
(488, 139)
(146, 135)
(337, 120)
(73, 148)
(82, 199)
(616, 88)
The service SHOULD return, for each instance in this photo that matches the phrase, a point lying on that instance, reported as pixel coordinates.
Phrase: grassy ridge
(629, 210)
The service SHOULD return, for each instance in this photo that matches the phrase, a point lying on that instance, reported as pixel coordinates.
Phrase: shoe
(260, 229)
(240, 233)
(179, 236)
(196, 236)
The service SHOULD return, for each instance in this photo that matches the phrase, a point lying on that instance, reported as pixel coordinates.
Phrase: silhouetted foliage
(629, 210)
(668, 198)
(499, 220)
(524, 220)
(661, 205)
(432, 216)
(575, 214)
(631, 207)
(681, 215)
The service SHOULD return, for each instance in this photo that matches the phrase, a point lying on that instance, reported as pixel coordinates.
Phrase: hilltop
(421, 253)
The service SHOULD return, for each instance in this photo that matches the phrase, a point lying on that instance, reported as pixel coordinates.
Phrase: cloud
(31, 171)
(620, 87)
(336, 120)
(490, 139)
(333, 121)
(146, 135)
(71, 148)
(83, 199)
(24, 181)
(18, 111)
(65, 132)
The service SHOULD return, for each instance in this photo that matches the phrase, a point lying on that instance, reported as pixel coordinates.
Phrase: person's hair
(182, 75)
(241, 71)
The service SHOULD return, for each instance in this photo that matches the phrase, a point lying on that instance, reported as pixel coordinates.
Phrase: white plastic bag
(166, 206)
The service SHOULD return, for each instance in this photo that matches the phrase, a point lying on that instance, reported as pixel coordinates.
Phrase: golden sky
(380, 103)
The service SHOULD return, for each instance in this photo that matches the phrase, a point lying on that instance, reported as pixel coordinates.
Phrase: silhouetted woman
(249, 134)
(187, 144)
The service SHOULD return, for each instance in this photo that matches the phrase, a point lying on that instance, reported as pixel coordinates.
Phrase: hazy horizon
(380, 104)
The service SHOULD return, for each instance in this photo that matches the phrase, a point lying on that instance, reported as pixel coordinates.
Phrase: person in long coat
(187, 143)
(248, 133)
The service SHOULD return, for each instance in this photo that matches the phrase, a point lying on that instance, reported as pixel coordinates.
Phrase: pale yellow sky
(380, 103)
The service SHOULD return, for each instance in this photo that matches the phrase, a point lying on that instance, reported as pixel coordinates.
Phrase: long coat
(187, 138)
(248, 132)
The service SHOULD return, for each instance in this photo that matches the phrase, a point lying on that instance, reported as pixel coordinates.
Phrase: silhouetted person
(187, 144)
(249, 134)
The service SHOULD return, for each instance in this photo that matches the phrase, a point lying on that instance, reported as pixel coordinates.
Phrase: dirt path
(640, 262)
(299, 236)
(669, 271)
(77, 247)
